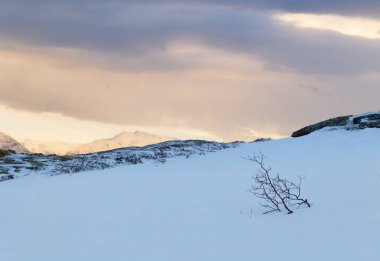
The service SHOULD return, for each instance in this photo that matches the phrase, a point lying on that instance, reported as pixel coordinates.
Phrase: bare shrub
(6, 177)
(80, 163)
(278, 193)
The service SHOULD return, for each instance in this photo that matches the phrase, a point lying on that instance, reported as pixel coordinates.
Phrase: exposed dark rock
(362, 121)
(262, 139)
(367, 121)
(338, 121)
(6, 177)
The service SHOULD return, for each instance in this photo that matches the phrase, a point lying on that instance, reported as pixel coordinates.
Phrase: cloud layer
(228, 69)
(135, 37)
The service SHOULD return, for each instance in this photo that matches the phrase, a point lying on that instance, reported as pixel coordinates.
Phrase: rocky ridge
(361, 121)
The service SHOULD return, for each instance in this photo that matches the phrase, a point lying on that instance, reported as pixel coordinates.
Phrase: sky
(211, 69)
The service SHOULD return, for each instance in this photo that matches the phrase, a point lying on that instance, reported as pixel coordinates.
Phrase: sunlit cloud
(223, 70)
(355, 26)
(219, 97)
(47, 126)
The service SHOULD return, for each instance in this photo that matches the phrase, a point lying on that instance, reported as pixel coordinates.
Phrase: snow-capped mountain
(49, 147)
(122, 140)
(9, 143)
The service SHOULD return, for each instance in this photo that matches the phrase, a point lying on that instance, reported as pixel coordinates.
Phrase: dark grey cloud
(343, 7)
(131, 35)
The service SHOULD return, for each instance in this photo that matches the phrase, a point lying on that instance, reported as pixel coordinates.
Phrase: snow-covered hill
(49, 147)
(13, 165)
(122, 140)
(198, 208)
(9, 143)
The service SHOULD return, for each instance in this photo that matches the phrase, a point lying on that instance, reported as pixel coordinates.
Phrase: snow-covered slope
(9, 143)
(49, 147)
(13, 165)
(122, 140)
(198, 208)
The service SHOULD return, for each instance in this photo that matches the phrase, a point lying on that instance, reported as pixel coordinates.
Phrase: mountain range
(121, 140)
(49, 147)
(139, 138)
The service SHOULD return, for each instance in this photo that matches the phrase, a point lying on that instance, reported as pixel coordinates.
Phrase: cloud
(343, 7)
(231, 98)
(136, 37)
(367, 28)
(225, 69)
(367, 8)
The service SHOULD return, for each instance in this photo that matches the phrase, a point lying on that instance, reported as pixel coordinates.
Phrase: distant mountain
(9, 143)
(122, 140)
(49, 147)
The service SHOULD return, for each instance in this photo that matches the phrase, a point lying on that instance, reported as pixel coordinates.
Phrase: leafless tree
(278, 193)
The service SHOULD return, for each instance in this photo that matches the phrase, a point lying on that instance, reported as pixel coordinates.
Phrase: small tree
(278, 193)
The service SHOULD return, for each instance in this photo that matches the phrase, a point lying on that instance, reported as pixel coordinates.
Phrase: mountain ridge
(121, 140)
(48, 147)
(359, 121)
(9, 143)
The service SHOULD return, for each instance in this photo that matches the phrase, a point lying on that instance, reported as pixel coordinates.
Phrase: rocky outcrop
(361, 121)
(367, 120)
(334, 122)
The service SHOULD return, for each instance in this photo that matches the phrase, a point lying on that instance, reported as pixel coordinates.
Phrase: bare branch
(278, 193)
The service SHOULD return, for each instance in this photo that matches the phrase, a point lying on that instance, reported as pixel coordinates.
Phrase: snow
(9, 143)
(49, 147)
(121, 140)
(366, 114)
(199, 208)
(15, 165)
